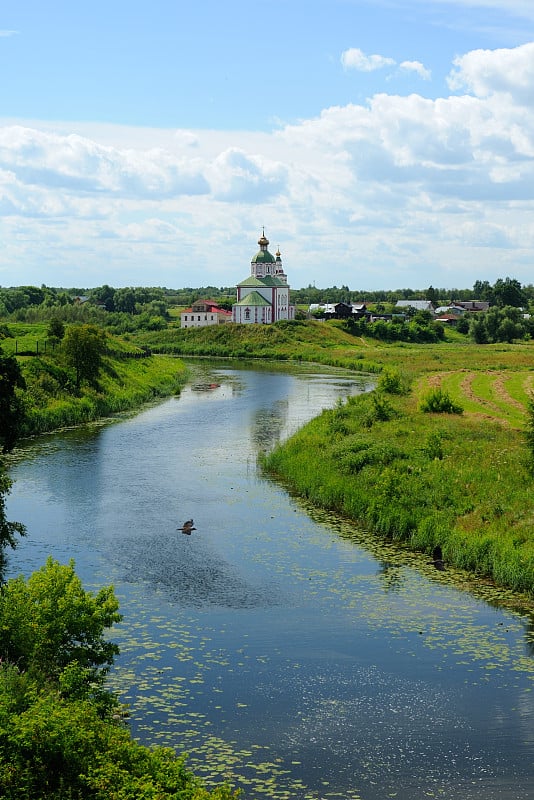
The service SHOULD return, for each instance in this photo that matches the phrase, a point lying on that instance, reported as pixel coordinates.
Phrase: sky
(380, 144)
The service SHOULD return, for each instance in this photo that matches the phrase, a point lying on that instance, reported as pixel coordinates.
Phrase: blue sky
(383, 144)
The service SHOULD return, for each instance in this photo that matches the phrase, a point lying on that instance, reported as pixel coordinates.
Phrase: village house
(203, 313)
(340, 310)
(418, 305)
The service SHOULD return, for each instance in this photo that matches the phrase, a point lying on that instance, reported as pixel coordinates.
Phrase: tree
(49, 622)
(56, 328)
(11, 406)
(8, 530)
(432, 295)
(125, 300)
(508, 292)
(84, 347)
(104, 295)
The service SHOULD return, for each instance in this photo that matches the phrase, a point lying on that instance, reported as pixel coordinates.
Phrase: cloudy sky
(381, 143)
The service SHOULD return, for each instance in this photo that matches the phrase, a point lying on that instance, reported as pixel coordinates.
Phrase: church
(263, 297)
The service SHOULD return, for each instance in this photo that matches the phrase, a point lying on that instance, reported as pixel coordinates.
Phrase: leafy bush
(380, 409)
(391, 382)
(438, 401)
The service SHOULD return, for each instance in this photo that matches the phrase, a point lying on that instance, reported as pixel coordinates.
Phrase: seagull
(187, 527)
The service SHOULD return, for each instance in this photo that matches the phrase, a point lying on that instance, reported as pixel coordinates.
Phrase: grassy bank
(296, 340)
(123, 385)
(424, 479)
(127, 378)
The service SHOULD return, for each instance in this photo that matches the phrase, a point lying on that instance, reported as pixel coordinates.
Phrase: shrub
(391, 382)
(438, 401)
(380, 410)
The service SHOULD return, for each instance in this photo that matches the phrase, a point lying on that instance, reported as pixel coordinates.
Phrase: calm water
(282, 648)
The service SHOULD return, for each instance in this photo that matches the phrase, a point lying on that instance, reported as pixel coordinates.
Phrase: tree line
(15, 301)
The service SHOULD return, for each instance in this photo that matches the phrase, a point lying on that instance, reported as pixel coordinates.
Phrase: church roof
(253, 299)
(263, 257)
(268, 280)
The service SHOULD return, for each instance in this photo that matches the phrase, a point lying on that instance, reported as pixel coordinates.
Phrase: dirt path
(502, 393)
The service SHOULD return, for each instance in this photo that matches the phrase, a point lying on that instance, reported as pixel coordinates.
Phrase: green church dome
(263, 257)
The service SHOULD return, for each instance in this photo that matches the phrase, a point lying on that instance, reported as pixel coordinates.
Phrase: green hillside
(297, 339)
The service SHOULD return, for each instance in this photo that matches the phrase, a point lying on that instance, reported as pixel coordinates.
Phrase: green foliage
(50, 621)
(57, 749)
(11, 406)
(83, 348)
(499, 324)
(380, 409)
(61, 731)
(438, 401)
(56, 328)
(391, 382)
(8, 530)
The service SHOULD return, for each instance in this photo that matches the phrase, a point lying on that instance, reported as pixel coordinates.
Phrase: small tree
(56, 328)
(438, 401)
(83, 346)
(11, 405)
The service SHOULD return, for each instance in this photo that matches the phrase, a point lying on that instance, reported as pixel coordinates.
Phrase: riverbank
(448, 480)
(124, 384)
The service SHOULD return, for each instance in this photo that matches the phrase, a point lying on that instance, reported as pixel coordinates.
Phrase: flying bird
(187, 527)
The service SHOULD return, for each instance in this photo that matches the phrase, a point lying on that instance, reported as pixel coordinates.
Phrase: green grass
(475, 501)
(123, 384)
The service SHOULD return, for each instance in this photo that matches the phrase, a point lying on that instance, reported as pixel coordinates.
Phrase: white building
(263, 297)
(203, 313)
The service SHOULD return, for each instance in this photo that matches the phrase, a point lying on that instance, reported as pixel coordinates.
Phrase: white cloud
(417, 67)
(76, 164)
(396, 191)
(354, 58)
(490, 72)
(237, 176)
(5, 34)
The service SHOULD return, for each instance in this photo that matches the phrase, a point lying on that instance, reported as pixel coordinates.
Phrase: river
(283, 648)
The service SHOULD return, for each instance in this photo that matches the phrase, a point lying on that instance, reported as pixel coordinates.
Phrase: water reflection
(390, 575)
